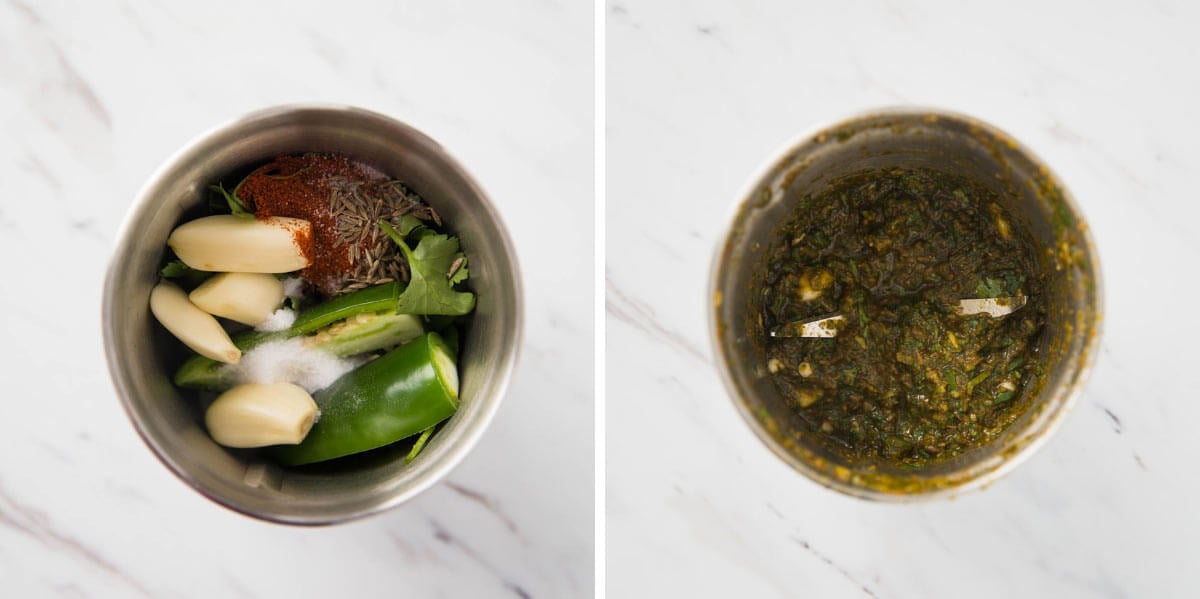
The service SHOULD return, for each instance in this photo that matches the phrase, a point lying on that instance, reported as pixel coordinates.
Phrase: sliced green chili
(407, 390)
(372, 299)
(365, 333)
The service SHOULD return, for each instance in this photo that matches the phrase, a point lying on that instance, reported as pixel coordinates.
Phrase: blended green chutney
(907, 381)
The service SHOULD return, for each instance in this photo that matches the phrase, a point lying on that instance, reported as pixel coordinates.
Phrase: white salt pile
(293, 288)
(278, 321)
(291, 361)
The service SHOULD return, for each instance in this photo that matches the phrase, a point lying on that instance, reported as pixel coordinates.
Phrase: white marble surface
(700, 95)
(93, 97)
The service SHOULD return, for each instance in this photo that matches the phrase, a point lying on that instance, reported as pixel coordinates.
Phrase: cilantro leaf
(185, 275)
(990, 287)
(458, 271)
(174, 269)
(236, 206)
(1002, 285)
(1012, 283)
(429, 289)
(409, 223)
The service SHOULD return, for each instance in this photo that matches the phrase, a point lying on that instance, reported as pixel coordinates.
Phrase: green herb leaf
(1062, 214)
(429, 290)
(850, 375)
(975, 380)
(866, 322)
(236, 206)
(419, 445)
(408, 223)
(458, 271)
(1012, 283)
(1000, 286)
(185, 275)
(1003, 397)
(174, 269)
(990, 287)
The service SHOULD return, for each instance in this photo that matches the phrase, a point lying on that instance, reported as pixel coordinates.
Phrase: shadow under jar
(958, 151)
(142, 356)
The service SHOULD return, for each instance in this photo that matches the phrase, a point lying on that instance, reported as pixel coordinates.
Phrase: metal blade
(828, 325)
(824, 326)
(994, 306)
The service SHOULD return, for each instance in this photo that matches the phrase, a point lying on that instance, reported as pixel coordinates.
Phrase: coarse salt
(293, 288)
(278, 320)
(291, 361)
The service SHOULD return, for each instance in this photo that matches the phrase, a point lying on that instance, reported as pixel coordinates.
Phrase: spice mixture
(344, 200)
(357, 206)
(906, 380)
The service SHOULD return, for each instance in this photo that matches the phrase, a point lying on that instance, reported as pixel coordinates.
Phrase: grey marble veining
(93, 98)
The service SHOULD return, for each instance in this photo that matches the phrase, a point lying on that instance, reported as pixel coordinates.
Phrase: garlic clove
(196, 328)
(258, 415)
(227, 243)
(248, 298)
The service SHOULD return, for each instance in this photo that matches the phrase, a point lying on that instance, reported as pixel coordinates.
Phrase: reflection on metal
(825, 326)
(994, 307)
(828, 326)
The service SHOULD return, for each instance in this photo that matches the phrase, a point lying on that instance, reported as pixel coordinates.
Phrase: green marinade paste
(907, 380)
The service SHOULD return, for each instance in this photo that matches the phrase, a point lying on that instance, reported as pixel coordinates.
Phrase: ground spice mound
(300, 187)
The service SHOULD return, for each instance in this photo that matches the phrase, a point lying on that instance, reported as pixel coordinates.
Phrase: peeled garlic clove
(248, 298)
(258, 415)
(228, 243)
(194, 327)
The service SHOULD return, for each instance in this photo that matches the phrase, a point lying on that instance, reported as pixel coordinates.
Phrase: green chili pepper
(199, 372)
(371, 299)
(398, 395)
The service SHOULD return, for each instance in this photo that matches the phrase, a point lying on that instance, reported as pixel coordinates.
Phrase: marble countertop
(700, 95)
(93, 98)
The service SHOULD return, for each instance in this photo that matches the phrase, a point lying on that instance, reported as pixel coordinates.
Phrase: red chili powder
(298, 186)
